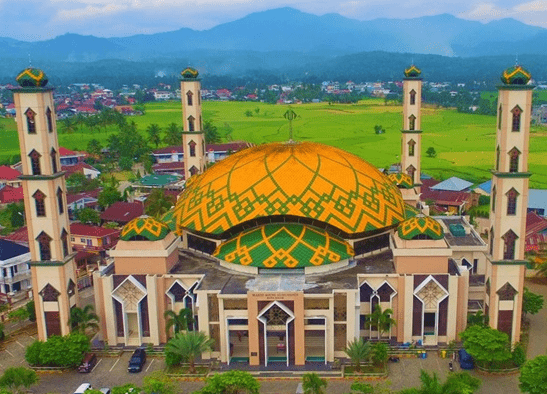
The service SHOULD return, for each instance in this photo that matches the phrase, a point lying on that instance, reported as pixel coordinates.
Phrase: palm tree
(173, 135)
(182, 321)
(154, 133)
(188, 346)
(358, 351)
(158, 203)
(460, 382)
(380, 320)
(69, 125)
(313, 384)
(82, 319)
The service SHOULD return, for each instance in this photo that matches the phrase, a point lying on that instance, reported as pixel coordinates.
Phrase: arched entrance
(276, 334)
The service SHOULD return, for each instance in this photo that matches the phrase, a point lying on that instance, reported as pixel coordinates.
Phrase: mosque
(282, 249)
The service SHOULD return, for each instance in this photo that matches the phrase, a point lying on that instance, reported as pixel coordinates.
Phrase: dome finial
(290, 115)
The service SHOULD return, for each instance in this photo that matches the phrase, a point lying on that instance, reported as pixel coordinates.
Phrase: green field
(464, 142)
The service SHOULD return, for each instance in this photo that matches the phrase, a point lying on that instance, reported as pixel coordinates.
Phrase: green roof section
(157, 180)
(32, 78)
(420, 227)
(411, 211)
(284, 246)
(516, 75)
(144, 228)
(170, 220)
(413, 72)
(402, 181)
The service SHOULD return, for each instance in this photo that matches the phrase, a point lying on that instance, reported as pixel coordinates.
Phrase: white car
(82, 388)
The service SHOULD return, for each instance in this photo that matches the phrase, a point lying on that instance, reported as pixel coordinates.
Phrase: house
(215, 152)
(88, 170)
(68, 157)
(94, 239)
(454, 184)
(536, 232)
(537, 201)
(176, 167)
(122, 212)
(15, 273)
(167, 181)
(88, 199)
(9, 194)
(484, 188)
(9, 176)
(162, 95)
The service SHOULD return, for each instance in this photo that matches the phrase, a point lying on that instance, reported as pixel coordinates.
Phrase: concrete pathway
(537, 344)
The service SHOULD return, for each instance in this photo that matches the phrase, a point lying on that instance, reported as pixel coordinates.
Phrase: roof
(66, 152)
(146, 227)
(442, 197)
(233, 146)
(454, 184)
(535, 223)
(486, 186)
(81, 229)
(537, 199)
(122, 212)
(8, 173)
(71, 198)
(9, 194)
(471, 238)
(158, 179)
(78, 167)
(284, 246)
(401, 180)
(10, 249)
(168, 150)
(166, 167)
(20, 235)
(319, 183)
(418, 226)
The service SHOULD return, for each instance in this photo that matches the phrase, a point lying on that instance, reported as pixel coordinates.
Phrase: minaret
(193, 137)
(411, 138)
(509, 199)
(52, 261)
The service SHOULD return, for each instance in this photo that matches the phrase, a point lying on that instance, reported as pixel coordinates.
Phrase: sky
(36, 20)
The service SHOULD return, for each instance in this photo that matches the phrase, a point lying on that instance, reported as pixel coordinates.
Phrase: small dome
(516, 75)
(189, 73)
(411, 211)
(401, 180)
(420, 227)
(284, 246)
(32, 78)
(413, 72)
(144, 228)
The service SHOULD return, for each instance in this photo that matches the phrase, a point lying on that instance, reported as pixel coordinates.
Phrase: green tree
(94, 147)
(158, 203)
(533, 376)
(518, 355)
(531, 303)
(108, 196)
(126, 388)
(154, 134)
(173, 135)
(380, 320)
(455, 383)
(17, 378)
(358, 351)
(31, 311)
(181, 321)
(380, 353)
(211, 132)
(88, 216)
(378, 129)
(231, 382)
(19, 314)
(487, 345)
(313, 384)
(69, 125)
(83, 319)
(158, 383)
(362, 388)
(58, 351)
(430, 152)
(125, 163)
(17, 215)
(188, 346)
(248, 113)
(477, 319)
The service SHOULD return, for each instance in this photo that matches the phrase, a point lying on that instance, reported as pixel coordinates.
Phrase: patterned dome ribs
(401, 180)
(144, 229)
(32, 78)
(413, 72)
(516, 75)
(420, 227)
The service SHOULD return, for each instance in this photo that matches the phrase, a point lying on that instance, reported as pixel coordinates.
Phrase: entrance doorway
(276, 334)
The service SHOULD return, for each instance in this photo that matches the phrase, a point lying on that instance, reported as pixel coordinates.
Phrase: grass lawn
(464, 142)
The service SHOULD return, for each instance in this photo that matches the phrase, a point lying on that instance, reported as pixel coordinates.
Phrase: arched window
(31, 121)
(193, 170)
(39, 203)
(411, 145)
(64, 241)
(516, 118)
(192, 146)
(492, 241)
(498, 158)
(411, 122)
(499, 117)
(60, 201)
(509, 239)
(35, 162)
(410, 171)
(412, 97)
(199, 97)
(189, 98)
(203, 147)
(49, 117)
(44, 245)
(191, 123)
(514, 160)
(512, 201)
(494, 199)
(53, 161)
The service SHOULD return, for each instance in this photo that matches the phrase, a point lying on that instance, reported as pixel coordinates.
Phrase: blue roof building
(453, 184)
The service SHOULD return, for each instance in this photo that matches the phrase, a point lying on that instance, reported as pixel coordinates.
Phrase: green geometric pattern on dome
(420, 226)
(516, 75)
(32, 78)
(147, 227)
(189, 73)
(412, 72)
(401, 180)
(307, 180)
(284, 246)
(411, 211)
(169, 219)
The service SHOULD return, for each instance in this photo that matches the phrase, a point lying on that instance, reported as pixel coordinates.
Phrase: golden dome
(309, 182)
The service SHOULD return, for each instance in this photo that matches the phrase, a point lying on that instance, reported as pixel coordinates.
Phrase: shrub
(58, 351)
(518, 355)
(32, 354)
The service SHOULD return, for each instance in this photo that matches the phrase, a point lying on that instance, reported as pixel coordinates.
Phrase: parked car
(137, 360)
(466, 360)
(105, 390)
(82, 388)
(88, 362)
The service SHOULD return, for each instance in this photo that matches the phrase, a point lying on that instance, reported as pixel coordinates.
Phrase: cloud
(533, 6)
(89, 12)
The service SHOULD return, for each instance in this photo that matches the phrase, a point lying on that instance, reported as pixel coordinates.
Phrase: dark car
(88, 362)
(137, 360)
(466, 360)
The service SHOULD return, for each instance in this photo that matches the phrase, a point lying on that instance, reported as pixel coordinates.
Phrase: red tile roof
(233, 146)
(535, 224)
(66, 152)
(445, 197)
(8, 173)
(122, 212)
(20, 235)
(79, 167)
(79, 229)
(169, 150)
(71, 198)
(10, 194)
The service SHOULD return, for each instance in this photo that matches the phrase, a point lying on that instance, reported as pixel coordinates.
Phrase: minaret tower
(52, 260)
(193, 137)
(411, 141)
(509, 198)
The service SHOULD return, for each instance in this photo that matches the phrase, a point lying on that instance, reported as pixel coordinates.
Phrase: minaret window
(491, 242)
(44, 244)
(203, 148)
(60, 201)
(498, 158)
(411, 145)
(191, 123)
(499, 117)
(64, 241)
(493, 199)
(509, 239)
(410, 171)
(189, 98)
(193, 170)
(411, 122)
(35, 162)
(49, 118)
(31, 121)
(514, 160)
(39, 202)
(512, 202)
(53, 161)
(516, 118)
(192, 146)
(412, 97)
